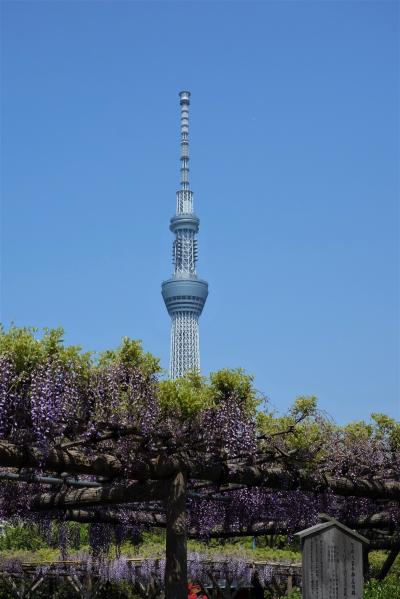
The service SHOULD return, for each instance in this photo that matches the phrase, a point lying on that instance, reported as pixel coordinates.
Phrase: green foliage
(304, 433)
(21, 537)
(381, 427)
(122, 590)
(188, 396)
(228, 383)
(28, 537)
(387, 589)
(185, 397)
(242, 547)
(376, 561)
(303, 411)
(153, 546)
(301, 431)
(387, 427)
(131, 353)
(44, 554)
(303, 407)
(358, 430)
(28, 350)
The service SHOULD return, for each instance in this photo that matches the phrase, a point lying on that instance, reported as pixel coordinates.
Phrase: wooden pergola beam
(88, 516)
(388, 543)
(59, 460)
(382, 520)
(268, 479)
(105, 495)
(158, 520)
(108, 466)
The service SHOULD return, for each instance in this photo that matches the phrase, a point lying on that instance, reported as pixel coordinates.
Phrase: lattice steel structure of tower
(184, 294)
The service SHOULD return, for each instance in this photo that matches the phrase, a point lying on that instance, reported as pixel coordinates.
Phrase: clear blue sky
(295, 155)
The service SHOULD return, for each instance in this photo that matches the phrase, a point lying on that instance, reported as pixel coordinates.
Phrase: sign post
(332, 562)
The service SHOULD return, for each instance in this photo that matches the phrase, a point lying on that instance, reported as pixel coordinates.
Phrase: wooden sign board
(332, 562)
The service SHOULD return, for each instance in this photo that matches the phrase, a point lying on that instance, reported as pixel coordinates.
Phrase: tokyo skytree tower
(184, 294)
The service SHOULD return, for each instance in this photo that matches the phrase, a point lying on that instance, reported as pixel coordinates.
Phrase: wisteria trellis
(212, 473)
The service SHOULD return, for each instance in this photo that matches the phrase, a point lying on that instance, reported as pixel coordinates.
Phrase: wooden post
(176, 585)
(289, 584)
(36, 582)
(257, 590)
(388, 563)
(366, 567)
(12, 586)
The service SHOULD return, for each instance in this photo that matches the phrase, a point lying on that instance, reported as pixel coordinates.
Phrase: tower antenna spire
(184, 293)
(185, 101)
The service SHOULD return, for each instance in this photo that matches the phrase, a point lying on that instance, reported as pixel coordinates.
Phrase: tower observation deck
(184, 293)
